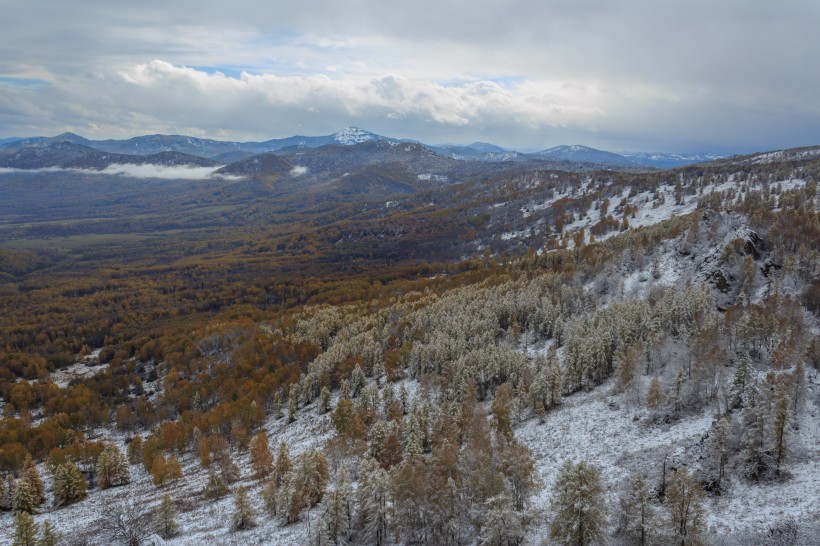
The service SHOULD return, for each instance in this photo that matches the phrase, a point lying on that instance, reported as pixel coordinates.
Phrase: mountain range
(226, 152)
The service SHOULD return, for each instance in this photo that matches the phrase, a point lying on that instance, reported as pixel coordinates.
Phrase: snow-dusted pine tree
(69, 484)
(781, 429)
(577, 505)
(639, 510)
(165, 518)
(502, 525)
(283, 463)
(215, 486)
(338, 510)
(32, 476)
(112, 468)
(25, 497)
(372, 502)
(738, 395)
(7, 487)
(243, 513)
(25, 530)
(49, 537)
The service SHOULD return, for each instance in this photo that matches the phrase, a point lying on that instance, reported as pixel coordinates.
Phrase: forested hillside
(528, 357)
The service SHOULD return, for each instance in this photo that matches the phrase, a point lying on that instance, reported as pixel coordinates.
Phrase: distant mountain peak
(68, 136)
(354, 135)
(577, 152)
(572, 148)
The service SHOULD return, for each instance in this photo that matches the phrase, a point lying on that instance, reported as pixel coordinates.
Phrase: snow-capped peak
(353, 135)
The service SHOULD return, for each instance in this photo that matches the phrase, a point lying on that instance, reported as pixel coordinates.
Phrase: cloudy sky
(642, 75)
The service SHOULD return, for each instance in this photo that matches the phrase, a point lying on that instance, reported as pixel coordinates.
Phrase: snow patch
(353, 135)
(427, 177)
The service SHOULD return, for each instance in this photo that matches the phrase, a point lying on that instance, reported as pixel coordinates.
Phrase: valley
(432, 340)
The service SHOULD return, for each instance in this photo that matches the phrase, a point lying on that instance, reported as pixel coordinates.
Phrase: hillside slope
(667, 327)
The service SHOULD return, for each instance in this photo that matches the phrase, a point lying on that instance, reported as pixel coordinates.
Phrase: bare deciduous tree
(125, 523)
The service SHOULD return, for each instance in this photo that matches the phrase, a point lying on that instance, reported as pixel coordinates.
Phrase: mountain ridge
(229, 151)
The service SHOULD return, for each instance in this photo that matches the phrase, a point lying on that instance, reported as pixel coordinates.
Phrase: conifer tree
(344, 390)
(165, 518)
(518, 467)
(292, 402)
(32, 476)
(227, 467)
(324, 404)
(501, 411)
(243, 514)
(539, 394)
(215, 487)
(276, 405)
(49, 536)
(288, 502)
(718, 454)
(105, 469)
(372, 502)
(740, 381)
(69, 484)
(356, 381)
(378, 371)
(758, 457)
(338, 511)
(25, 530)
(684, 502)
(25, 497)
(270, 493)
(283, 463)
(781, 420)
(502, 525)
(404, 399)
(261, 458)
(413, 450)
(321, 536)
(639, 511)
(577, 505)
(7, 488)
(553, 378)
(312, 478)
(112, 468)
(377, 436)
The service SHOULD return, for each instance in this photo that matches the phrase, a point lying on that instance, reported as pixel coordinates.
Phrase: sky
(725, 76)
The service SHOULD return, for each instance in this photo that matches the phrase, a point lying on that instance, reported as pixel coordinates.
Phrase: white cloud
(175, 172)
(186, 91)
(165, 172)
(298, 170)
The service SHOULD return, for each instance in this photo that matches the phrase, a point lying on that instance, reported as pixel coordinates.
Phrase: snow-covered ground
(87, 367)
(599, 426)
(759, 506)
(652, 206)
